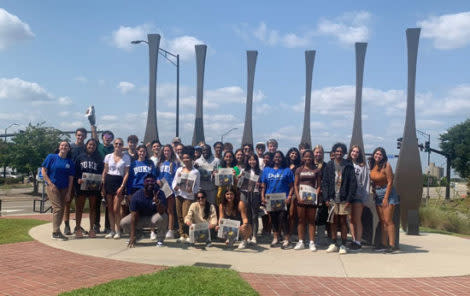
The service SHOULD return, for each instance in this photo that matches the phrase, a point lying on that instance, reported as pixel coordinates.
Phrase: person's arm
(296, 187)
(389, 174)
(94, 134)
(188, 220)
(174, 184)
(68, 196)
(212, 217)
(352, 185)
(103, 178)
(221, 215)
(124, 181)
(47, 180)
(242, 209)
(157, 198)
(134, 219)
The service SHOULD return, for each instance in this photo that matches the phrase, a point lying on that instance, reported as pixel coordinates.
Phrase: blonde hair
(320, 163)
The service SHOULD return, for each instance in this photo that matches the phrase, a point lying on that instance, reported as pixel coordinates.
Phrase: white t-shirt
(117, 169)
(194, 175)
(155, 160)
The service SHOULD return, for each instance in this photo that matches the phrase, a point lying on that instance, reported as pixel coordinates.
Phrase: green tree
(31, 147)
(456, 143)
(5, 155)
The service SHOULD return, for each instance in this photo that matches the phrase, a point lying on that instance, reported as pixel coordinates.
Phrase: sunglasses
(200, 197)
(118, 144)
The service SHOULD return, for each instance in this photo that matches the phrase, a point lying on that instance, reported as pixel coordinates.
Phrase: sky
(59, 57)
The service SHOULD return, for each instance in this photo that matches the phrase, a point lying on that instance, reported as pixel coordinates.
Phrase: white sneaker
(117, 235)
(153, 235)
(342, 250)
(253, 240)
(159, 244)
(187, 240)
(312, 247)
(332, 248)
(242, 244)
(299, 246)
(110, 235)
(170, 234)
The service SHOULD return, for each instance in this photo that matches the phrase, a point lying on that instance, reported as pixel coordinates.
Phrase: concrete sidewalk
(427, 255)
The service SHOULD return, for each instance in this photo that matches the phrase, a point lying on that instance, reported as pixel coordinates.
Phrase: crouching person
(148, 209)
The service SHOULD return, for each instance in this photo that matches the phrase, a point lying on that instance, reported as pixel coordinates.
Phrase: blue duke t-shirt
(277, 180)
(59, 170)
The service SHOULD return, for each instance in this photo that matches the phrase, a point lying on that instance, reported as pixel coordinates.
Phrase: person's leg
(284, 224)
(344, 228)
(357, 221)
(245, 231)
(276, 225)
(92, 204)
(179, 214)
(57, 208)
(255, 203)
(126, 224)
(310, 217)
(380, 213)
(185, 209)
(97, 208)
(301, 213)
(110, 207)
(292, 215)
(160, 223)
(389, 225)
(67, 214)
(79, 205)
(171, 211)
(117, 212)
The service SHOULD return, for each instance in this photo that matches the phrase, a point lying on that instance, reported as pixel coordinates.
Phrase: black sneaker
(96, 228)
(390, 250)
(355, 246)
(67, 230)
(59, 236)
(380, 248)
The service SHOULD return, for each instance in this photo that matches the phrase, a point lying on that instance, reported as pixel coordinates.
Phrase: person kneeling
(202, 211)
(148, 209)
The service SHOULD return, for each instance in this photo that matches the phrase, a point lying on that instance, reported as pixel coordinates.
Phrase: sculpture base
(413, 222)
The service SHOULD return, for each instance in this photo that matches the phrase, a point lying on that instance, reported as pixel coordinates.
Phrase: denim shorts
(393, 198)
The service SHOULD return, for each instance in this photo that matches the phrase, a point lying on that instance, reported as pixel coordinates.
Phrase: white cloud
(122, 37)
(82, 79)
(457, 102)
(184, 46)
(348, 28)
(125, 87)
(109, 117)
(64, 101)
(447, 31)
(64, 113)
(12, 29)
(273, 37)
(17, 89)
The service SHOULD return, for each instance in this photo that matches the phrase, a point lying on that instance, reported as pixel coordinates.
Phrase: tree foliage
(456, 143)
(31, 147)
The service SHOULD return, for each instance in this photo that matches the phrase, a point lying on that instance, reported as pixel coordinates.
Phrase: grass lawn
(182, 280)
(16, 230)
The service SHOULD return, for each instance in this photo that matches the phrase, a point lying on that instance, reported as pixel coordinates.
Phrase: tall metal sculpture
(409, 179)
(309, 61)
(198, 135)
(357, 138)
(251, 56)
(151, 130)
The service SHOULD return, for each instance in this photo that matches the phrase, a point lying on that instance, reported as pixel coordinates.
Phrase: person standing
(278, 179)
(114, 179)
(88, 162)
(168, 166)
(218, 147)
(185, 194)
(58, 171)
(293, 162)
(156, 147)
(386, 197)
(339, 189)
(76, 149)
(260, 148)
(206, 165)
(308, 174)
(361, 171)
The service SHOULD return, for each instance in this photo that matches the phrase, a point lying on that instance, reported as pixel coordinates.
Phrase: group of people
(169, 188)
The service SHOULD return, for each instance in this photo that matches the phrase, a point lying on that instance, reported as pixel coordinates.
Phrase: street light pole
(165, 53)
(226, 133)
(5, 134)
(428, 173)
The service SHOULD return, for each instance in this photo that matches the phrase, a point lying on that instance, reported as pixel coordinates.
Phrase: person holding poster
(307, 189)
(276, 181)
(89, 167)
(202, 211)
(186, 185)
(233, 208)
